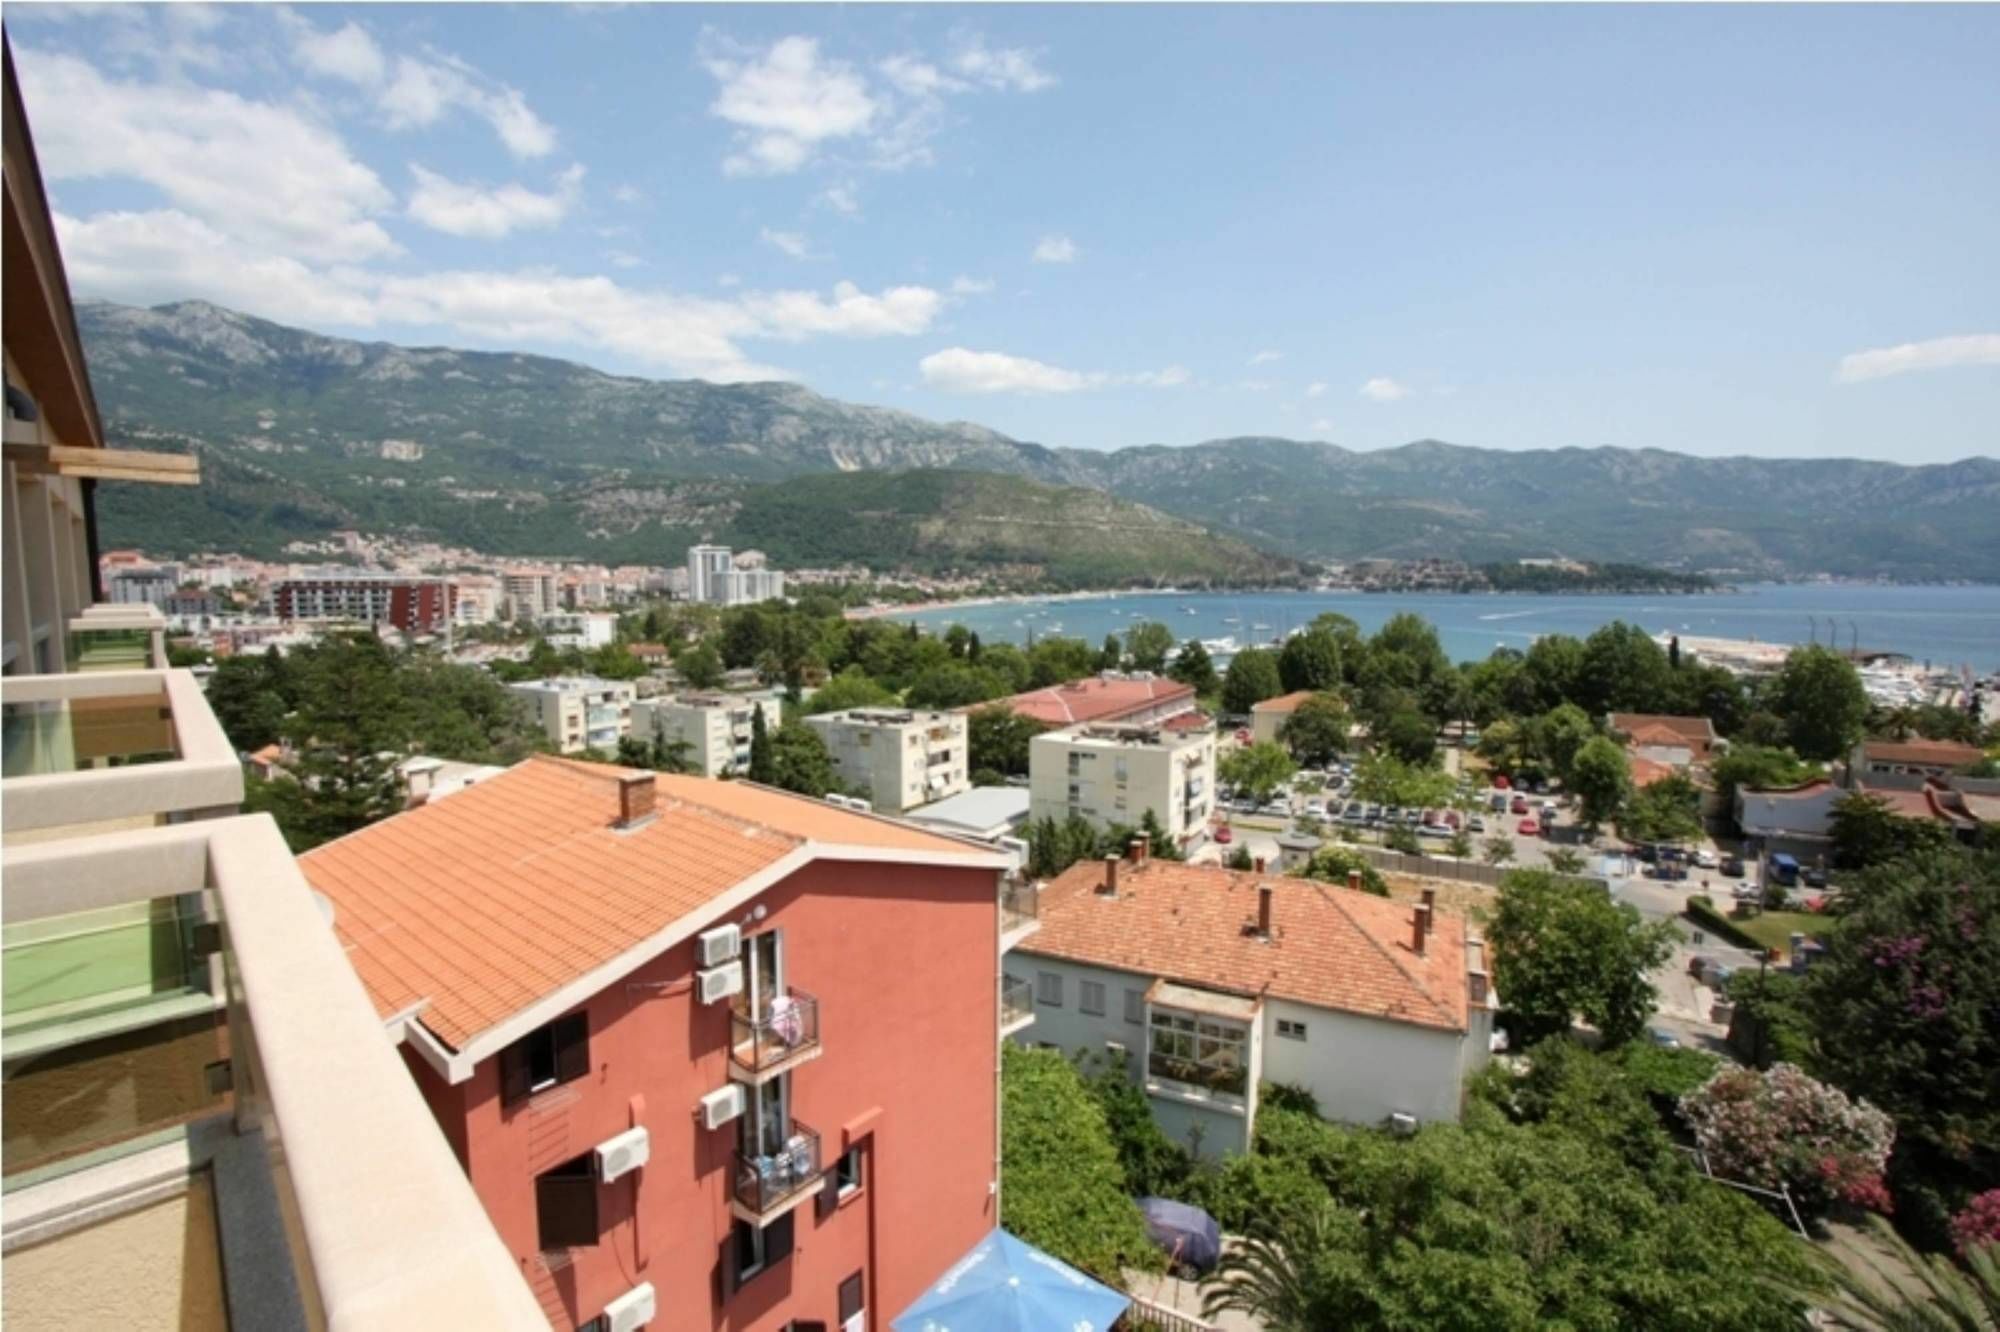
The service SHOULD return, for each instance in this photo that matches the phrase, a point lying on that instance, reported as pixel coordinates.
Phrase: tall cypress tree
(761, 767)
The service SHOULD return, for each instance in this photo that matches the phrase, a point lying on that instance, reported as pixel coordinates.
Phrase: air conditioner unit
(623, 1154)
(1402, 1123)
(720, 945)
(632, 1310)
(721, 1105)
(719, 982)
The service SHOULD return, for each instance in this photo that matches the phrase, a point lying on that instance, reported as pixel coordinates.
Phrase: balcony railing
(128, 747)
(784, 1034)
(1020, 903)
(766, 1182)
(300, 1059)
(1017, 1004)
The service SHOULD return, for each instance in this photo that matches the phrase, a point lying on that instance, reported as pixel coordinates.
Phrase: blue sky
(1712, 229)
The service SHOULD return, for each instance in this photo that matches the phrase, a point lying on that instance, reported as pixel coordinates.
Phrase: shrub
(1783, 1128)
(1978, 1225)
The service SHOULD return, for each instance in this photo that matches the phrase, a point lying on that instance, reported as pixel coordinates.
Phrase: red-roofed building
(1269, 717)
(1917, 758)
(1665, 739)
(1205, 982)
(1136, 699)
(706, 1044)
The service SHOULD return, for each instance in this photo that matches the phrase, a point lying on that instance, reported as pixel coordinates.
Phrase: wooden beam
(163, 469)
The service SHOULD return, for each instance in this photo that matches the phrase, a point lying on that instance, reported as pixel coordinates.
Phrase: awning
(1007, 1285)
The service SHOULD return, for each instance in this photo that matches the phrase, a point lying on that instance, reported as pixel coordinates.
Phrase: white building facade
(901, 759)
(715, 727)
(1111, 775)
(583, 630)
(579, 712)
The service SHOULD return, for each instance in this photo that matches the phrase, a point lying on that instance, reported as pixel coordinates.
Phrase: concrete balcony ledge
(108, 746)
(379, 1223)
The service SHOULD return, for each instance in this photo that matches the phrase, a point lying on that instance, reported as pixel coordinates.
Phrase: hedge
(1702, 912)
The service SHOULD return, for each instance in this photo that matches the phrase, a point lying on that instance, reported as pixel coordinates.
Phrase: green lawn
(1774, 929)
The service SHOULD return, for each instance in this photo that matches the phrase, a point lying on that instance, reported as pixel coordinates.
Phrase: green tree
(1560, 733)
(1258, 769)
(1194, 668)
(1402, 837)
(1902, 1002)
(1062, 1186)
(1499, 849)
(799, 761)
(763, 763)
(852, 688)
(1897, 1289)
(1251, 678)
(1279, 1283)
(1623, 670)
(1564, 950)
(958, 640)
(1564, 860)
(1333, 864)
(997, 740)
(1384, 779)
(1409, 736)
(1310, 660)
(1818, 693)
(1600, 779)
(1053, 847)
(1111, 656)
(1503, 743)
(1867, 830)
(1666, 810)
(1551, 673)
(1158, 843)
(748, 632)
(954, 686)
(1148, 644)
(658, 754)
(1316, 732)
(1056, 660)
(1460, 844)
(350, 725)
(614, 661)
(700, 665)
(249, 696)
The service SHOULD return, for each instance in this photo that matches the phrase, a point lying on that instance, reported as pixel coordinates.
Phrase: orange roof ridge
(1337, 896)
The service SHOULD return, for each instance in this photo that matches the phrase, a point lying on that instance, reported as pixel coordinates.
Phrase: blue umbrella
(1188, 1234)
(1004, 1285)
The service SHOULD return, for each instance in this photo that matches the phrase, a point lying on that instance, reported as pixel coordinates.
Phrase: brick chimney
(1419, 927)
(1109, 887)
(1258, 864)
(1137, 850)
(1265, 892)
(1354, 880)
(1431, 906)
(636, 794)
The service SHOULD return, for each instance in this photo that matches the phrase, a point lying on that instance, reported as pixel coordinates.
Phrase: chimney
(1109, 888)
(1431, 901)
(1354, 880)
(1419, 927)
(1258, 864)
(1137, 849)
(635, 799)
(1265, 892)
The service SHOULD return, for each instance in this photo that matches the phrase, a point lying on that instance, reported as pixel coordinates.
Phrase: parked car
(1663, 1038)
(1451, 819)
(1704, 858)
(1223, 835)
(1520, 805)
(1528, 827)
(1500, 781)
(1815, 877)
(1316, 809)
(1498, 804)
(1433, 830)
(1732, 866)
(1746, 892)
(1243, 737)
(1476, 824)
(1784, 869)
(1698, 964)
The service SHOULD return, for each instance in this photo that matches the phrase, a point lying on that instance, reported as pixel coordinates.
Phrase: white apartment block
(902, 759)
(584, 630)
(579, 712)
(479, 599)
(1112, 774)
(715, 575)
(143, 584)
(531, 593)
(746, 587)
(716, 727)
(707, 567)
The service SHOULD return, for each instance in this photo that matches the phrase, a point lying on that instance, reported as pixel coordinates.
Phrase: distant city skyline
(1713, 230)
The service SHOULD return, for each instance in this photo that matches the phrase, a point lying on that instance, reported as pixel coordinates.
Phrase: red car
(1528, 828)
(1223, 836)
(1520, 805)
(1243, 737)
(1500, 781)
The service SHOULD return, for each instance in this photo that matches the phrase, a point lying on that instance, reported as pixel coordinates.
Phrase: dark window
(754, 1250)
(545, 1057)
(847, 1172)
(566, 1204)
(850, 1298)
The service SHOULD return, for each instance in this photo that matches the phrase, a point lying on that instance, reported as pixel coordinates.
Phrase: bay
(1937, 625)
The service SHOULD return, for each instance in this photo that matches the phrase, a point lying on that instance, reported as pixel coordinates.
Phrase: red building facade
(413, 605)
(818, 1146)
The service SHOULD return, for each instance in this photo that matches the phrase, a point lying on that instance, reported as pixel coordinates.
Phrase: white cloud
(469, 210)
(347, 53)
(1266, 357)
(1934, 354)
(785, 103)
(1316, 389)
(842, 198)
(413, 92)
(626, 194)
(970, 286)
(256, 170)
(790, 242)
(623, 259)
(1056, 250)
(1322, 426)
(961, 370)
(917, 77)
(1383, 389)
(853, 313)
(1012, 69)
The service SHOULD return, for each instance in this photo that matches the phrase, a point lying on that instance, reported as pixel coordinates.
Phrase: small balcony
(1017, 1004)
(777, 1039)
(769, 1185)
(1020, 909)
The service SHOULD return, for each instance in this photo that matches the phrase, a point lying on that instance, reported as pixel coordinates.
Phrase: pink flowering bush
(1978, 1224)
(1781, 1127)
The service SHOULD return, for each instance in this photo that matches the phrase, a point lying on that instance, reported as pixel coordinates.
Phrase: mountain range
(301, 434)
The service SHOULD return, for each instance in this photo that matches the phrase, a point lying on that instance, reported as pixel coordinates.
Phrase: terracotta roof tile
(1095, 699)
(1332, 947)
(1646, 771)
(481, 905)
(1934, 753)
(1284, 702)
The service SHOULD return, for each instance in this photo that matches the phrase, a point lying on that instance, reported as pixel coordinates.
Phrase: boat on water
(1232, 619)
(1260, 625)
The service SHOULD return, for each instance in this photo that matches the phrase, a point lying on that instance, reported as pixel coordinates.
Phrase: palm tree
(1272, 1280)
(1897, 1289)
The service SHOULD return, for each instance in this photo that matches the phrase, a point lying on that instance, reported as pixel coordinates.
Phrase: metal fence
(1463, 871)
(1147, 1316)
